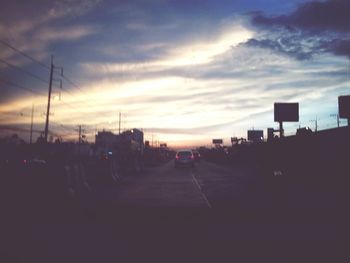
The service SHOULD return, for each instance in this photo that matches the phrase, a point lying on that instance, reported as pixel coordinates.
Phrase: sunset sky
(184, 71)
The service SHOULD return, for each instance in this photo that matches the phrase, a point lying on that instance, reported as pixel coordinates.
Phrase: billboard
(344, 106)
(217, 141)
(234, 139)
(256, 135)
(286, 112)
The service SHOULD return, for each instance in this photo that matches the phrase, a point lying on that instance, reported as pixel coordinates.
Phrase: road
(206, 185)
(241, 190)
(209, 210)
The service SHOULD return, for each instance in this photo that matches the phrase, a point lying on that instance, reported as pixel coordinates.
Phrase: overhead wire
(24, 54)
(21, 87)
(77, 87)
(72, 83)
(42, 65)
(24, 71)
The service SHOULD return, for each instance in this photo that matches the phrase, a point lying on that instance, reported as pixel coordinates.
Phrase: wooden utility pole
(79, 140)
(31, 125)
(120, 116)
(49, 101)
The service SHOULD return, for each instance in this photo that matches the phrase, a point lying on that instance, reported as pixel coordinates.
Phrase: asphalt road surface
(242, 191)
(209, 212)
(206, 185)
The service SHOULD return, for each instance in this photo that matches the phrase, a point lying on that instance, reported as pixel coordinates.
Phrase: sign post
(285, 112)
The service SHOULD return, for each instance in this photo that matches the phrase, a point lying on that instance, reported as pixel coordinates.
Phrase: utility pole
(31, 125)
(120, 116)
(338, 120)
(80, 131)
(48, 101)
(315, 120)
(79, 140)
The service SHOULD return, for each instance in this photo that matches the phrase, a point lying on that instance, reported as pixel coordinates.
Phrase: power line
(37, 77)
(72, 83)
(23, 54)
(21, 87)
(34, 60)
(73, 107)
(24, 71)
(70, 93)
(17, 129)
(39, 63)
(76, 97)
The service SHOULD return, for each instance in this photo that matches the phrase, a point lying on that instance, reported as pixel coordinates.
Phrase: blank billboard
(256, 135)
(217, 141)
(286, 112)
(344, 106)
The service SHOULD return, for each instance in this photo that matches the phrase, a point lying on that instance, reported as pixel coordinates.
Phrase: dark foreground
(212, 212)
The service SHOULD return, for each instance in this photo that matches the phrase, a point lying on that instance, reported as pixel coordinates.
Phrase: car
(197, 156)
(184, 158)
(304, 132)
(35, 162)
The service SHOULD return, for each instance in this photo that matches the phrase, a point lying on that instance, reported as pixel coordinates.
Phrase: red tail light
(104, 157)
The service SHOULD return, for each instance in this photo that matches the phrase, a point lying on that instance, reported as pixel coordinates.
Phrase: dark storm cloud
(325, 25)
(341, 47)
(329, 15)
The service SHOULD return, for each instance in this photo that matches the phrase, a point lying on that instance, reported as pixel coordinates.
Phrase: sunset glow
(180, 79)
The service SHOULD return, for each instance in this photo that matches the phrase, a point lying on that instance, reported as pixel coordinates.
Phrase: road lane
(229, 186)
(162, 186)
(206, 185)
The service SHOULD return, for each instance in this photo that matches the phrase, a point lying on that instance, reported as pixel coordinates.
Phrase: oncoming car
(184, 158)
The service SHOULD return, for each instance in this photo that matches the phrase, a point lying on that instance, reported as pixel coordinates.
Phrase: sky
(185, 72)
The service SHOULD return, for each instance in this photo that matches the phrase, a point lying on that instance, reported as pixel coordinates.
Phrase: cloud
(298, 46)
(341, 47)
(73, 7)
(51, 34)
(182, 77)
(311, 29)
(34, 34)
(330, 15)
